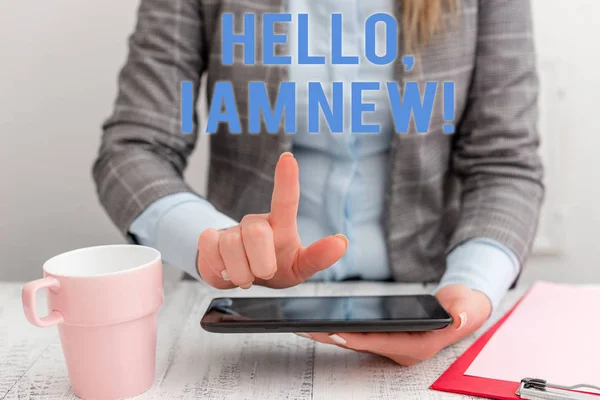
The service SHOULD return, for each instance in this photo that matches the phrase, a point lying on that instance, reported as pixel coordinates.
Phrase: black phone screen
(330, 309)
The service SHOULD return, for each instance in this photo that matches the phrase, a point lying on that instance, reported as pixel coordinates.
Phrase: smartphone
(325, 314)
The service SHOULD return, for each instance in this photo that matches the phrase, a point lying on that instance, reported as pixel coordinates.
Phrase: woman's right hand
(265, 249)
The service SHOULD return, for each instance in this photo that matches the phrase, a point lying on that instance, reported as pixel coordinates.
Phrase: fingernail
(302, 334)
(246, 286)
(463, 320)
(286, 154)
(344, 238)
(225, 275)
(337, 338)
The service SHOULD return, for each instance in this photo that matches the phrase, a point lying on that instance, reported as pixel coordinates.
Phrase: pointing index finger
(286, 195)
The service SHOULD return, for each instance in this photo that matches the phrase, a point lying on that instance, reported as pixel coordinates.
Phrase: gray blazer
(485, 180)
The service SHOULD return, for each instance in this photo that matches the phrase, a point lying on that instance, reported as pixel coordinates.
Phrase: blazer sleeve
(143, 151)
(496, 148)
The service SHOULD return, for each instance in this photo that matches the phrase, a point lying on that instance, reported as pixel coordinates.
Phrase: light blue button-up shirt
(342, 176)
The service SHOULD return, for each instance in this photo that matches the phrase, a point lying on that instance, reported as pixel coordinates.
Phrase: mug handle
(28, 298)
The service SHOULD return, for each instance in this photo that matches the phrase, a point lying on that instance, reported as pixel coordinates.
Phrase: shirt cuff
(173, 224)
(482, 264)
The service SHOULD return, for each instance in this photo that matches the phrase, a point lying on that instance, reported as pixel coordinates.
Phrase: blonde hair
(421, 19)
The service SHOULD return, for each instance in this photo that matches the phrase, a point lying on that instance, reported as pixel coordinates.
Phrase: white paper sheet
(554, 334)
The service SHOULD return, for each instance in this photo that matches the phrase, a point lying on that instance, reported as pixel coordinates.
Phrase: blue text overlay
(412, 101)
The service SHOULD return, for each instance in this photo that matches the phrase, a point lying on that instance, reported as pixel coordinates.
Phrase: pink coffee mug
(105, 301)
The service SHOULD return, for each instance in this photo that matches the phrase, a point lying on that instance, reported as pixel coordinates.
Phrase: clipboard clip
(534, 389)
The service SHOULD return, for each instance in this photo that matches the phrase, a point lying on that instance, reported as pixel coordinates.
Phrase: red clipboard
(454, 379)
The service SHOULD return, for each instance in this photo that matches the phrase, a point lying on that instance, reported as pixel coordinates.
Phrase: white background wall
(58, 68)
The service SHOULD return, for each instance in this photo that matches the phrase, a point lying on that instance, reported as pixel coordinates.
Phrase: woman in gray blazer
(460, 209)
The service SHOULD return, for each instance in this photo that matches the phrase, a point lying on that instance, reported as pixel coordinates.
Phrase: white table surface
(192, 363)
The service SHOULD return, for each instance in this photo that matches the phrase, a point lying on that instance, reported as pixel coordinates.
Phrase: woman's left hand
(469, 309)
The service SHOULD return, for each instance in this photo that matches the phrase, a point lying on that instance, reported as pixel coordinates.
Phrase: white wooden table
(192, 363)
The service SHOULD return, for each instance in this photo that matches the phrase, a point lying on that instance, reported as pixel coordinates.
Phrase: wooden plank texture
(192, 363)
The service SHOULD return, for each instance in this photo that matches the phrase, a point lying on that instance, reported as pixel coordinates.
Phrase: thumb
(320, 255)
(459, 309)
(458, 300)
